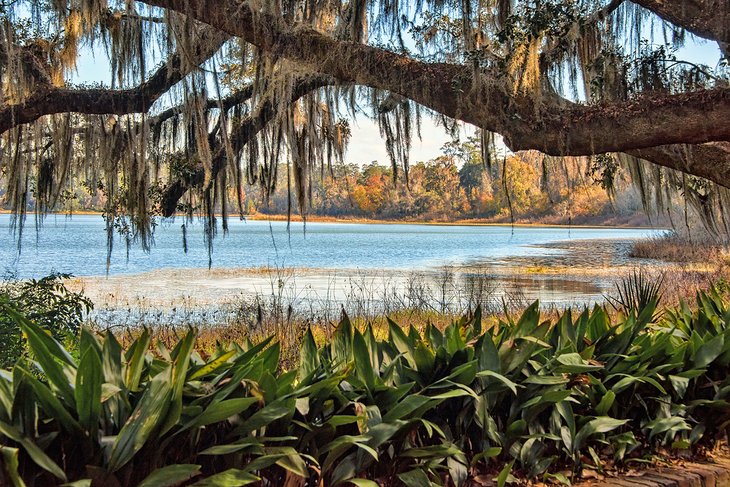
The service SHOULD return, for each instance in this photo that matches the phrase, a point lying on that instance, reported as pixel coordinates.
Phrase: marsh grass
(682, 247)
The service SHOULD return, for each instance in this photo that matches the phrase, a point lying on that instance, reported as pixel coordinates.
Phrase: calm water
(77, 245)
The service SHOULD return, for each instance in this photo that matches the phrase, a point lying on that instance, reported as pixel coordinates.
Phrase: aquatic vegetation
(525, 397)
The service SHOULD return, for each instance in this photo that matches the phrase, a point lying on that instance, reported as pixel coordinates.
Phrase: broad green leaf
(362, 361)
(263, 417)
(213, 365)
(364, 483)
(171, 475)
(709, 351)
(606, 402)
(309, 356)
(10, 461)
(50, 403)
(414, 478)
(573, 363)
(49, 354)
(135, 364)
(89, 380)
(599, 425)
(220, 411)
(504, 380)
(229, 478)
(146, 418)
(179, 373)
(504, 474)
(404, 408)
(33, 451)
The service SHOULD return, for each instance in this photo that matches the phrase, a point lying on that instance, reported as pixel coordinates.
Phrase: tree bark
(102, 101)
(706, 18)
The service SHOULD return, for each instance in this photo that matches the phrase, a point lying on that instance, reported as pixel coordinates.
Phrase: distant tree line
(458, 184)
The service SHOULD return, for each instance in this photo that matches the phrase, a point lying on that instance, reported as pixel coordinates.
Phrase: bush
(48, 303)
(538, 399)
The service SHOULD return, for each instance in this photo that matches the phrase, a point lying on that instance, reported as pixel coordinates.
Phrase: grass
(533, 397)
(676, 247)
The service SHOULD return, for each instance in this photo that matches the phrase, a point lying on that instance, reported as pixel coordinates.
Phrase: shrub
(526, 397)
(48, 303)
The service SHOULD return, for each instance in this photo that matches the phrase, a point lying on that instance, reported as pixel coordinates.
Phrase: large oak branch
(548, 123)
(118, 102)
(706, 18)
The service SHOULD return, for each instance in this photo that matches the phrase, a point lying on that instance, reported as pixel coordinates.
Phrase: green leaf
(171, 475)
(573, 363)
(145, 419)
(601, 424)
(309, 357)
(135, 365)
(504, 380)
(709, 351)
(51, 405)
(213, 365)
(362, 361)
(50, 355)
(504, 474)
(402, 343)
(263, 417)
(364, 483)
(10, 460)
(88, 390)
(406, 407)
(606, 402)
(229, 478)
(179, 372)
(219, 411)
(33, 451)
(414, 478)
(239, 445)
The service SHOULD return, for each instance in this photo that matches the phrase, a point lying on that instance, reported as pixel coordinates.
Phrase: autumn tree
(210, 95)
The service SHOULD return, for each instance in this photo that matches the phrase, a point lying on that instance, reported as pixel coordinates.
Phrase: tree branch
(709, 19)
(549, 123)
(106, 101)
(242, 134)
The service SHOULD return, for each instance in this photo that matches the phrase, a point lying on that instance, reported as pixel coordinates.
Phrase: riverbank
(637, 221)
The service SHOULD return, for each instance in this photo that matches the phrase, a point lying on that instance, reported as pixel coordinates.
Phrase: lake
(366, 268)
(77, 245)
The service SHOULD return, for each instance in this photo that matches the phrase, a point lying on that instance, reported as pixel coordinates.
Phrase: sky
(366, 145)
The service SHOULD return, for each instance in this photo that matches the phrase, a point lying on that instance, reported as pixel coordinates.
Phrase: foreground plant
(529, 398)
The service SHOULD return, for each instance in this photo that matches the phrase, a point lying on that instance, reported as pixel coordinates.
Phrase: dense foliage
(528, 397)
(533, 397)
(48, 303)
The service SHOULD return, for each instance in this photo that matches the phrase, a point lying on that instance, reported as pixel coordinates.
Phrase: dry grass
(674, 247)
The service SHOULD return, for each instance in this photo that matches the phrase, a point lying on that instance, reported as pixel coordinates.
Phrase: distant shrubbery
(527, 397)
(48, 303)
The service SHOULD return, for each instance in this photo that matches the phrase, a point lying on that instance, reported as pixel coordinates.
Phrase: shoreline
(582, 273)
(470, 222)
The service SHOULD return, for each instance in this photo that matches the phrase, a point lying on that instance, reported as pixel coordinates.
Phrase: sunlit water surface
(322, 262)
